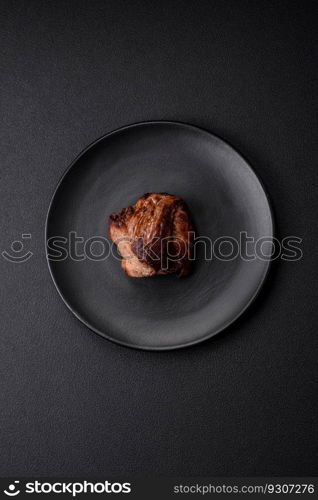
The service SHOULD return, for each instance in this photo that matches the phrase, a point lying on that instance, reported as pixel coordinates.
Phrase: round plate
(225, 198)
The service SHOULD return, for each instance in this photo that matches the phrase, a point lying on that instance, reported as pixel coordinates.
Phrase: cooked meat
(154, 236)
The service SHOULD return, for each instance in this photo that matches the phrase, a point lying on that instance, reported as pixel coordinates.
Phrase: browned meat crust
(154, 236)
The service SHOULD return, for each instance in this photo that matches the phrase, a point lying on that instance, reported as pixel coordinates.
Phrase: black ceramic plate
(225, 198)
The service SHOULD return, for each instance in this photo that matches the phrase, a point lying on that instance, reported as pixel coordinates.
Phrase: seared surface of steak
(154, 236)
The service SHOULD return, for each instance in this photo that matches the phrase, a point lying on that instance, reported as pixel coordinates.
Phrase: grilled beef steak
(154, 236)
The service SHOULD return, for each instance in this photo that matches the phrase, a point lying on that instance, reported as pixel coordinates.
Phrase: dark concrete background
(244, 403)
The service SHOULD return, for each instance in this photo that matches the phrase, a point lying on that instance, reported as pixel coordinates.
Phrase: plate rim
(209, 335)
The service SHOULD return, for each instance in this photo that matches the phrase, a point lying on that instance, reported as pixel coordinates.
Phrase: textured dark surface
(75, 404)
